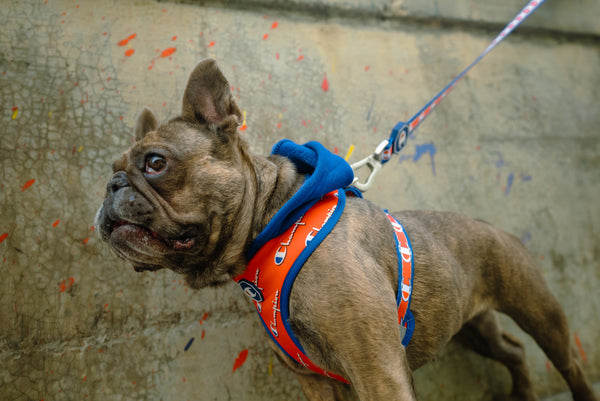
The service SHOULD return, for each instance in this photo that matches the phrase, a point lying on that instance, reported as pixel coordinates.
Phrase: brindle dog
(189, 196)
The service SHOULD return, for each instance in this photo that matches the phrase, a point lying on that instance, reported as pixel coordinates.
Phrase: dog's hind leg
(484, 335)
(547, 324)
(520, 291)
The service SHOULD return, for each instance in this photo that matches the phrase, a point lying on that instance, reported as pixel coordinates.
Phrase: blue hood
(325, 172)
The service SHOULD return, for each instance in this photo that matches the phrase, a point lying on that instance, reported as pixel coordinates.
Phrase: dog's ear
(145, 123)
(208, 99)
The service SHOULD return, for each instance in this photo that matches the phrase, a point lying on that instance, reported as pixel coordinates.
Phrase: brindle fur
(220, 195)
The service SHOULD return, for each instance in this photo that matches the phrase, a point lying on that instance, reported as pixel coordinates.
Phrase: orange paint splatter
(203, 333)
(66, 284)
(174, 38)
(239, 361)
(125, 41)
(55, 223)
(85, 241)
(580, 348)
(27, 184)
(325, 84)
(168, 52)
(367, 68)
(3, 237)
(211, 44)
(204, 317)
(129, 52)
(301, 57)
(265, 36)
(275, 25)
(243, 127)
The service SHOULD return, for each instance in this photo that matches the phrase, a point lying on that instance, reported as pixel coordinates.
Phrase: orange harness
(272, 270)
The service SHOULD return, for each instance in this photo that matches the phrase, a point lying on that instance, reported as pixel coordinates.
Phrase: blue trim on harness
(299, 262)
(409, 319)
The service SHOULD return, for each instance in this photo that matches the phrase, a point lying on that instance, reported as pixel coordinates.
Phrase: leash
(401, 131)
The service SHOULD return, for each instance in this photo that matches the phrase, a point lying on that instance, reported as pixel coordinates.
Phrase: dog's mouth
(144, 247)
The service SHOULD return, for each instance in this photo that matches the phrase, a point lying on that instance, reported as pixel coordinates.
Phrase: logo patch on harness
(251, 290)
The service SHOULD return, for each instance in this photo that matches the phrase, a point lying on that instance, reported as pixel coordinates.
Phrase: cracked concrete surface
(516, 143)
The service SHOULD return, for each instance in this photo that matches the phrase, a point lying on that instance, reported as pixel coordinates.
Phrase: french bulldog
(190, 196)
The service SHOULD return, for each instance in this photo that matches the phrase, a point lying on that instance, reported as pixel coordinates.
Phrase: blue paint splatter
(526, 237)
(423, 149)
(189, 344)
(526, 177)
(500, 162)
(511, 178)
(420, 151)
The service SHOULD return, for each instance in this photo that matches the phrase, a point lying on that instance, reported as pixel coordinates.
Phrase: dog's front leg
(359, 338)
(321, 388)
(316, 387)
(383, 376)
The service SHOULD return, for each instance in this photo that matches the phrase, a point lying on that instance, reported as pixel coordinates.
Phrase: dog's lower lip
(176, 244)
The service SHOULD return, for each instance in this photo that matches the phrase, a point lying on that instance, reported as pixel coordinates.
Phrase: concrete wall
(516, 143)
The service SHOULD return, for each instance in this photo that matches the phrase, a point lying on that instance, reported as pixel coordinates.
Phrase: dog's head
(180, 194)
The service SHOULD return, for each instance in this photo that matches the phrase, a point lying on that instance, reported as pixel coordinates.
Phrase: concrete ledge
(576, 17)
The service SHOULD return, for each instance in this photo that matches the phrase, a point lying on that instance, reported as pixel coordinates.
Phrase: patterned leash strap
(402, 130)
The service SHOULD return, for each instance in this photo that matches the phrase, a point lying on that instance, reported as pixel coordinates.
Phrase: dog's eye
(155, 164)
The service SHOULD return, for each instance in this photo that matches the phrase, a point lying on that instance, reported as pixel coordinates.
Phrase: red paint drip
(325, 84)
(3, 237)
(129, 52)
(168, 52)
(125, 41)
(27, 184)
(239, 361)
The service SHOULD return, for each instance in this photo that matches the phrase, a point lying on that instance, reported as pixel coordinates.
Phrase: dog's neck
(276, 181)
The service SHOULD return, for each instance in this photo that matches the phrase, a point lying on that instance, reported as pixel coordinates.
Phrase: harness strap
(271, 273)
(406, 268)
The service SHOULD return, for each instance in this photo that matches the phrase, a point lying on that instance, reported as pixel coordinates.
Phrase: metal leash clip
(374, 162)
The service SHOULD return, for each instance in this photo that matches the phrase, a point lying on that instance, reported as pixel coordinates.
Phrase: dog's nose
(118, 181)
